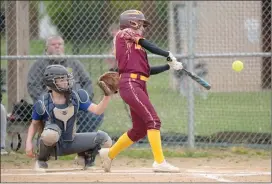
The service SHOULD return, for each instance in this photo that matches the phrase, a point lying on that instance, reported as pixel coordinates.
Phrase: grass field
(249, 112)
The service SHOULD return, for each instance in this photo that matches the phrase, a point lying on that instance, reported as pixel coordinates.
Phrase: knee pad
(103, 139)
(50, 135)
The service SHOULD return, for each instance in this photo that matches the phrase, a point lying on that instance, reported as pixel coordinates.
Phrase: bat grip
(186, 71)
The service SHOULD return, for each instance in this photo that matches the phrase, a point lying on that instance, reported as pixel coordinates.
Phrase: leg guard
(101, 140)
(87, 158)
(45, 151)
(91, 155)
(49, 137)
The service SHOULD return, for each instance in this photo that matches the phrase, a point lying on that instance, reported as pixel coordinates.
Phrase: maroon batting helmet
(130, 18)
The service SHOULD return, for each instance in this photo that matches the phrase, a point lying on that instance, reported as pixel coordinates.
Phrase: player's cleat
(106, 161)
(41, 166)
(165, 167)
(86, 164)
(79, 160)
(3, 151)
(89, 164)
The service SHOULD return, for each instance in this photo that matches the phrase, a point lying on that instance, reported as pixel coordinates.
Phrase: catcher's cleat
(86, 163)
(106, 161)
(89, 164)
(165, 167)
(87, 159)
(41, 166)
(79, 160)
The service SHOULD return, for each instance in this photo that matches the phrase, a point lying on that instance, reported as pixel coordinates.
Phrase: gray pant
(84, 142)
(3, 126)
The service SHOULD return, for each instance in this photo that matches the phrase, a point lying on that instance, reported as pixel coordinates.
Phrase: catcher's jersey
(130, 56)
(61, 114)
(83, 105)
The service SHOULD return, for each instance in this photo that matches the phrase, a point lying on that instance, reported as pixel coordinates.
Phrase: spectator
(89, 122)
(3, 127)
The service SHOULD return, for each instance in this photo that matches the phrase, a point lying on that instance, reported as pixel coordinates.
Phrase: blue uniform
(35, 116)
(62, 115)
(59, 121)
(62, 119)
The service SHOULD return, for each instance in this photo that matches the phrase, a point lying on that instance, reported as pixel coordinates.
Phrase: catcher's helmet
(130, 18)
(53, 72)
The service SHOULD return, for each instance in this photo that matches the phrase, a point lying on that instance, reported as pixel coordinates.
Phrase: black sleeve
(153, 70)
(159, 69)
(152, 48)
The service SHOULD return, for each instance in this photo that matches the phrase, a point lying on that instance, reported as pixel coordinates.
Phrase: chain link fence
(206, 36)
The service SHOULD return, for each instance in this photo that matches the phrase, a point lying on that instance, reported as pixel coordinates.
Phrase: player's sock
(154, 137)
(123, 142)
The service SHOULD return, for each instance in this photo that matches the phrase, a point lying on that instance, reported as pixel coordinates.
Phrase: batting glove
(175, 65)
(171, 57)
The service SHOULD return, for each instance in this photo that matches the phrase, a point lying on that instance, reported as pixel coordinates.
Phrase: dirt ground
(235, 168)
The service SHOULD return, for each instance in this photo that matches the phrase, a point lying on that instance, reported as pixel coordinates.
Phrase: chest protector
(64, 118)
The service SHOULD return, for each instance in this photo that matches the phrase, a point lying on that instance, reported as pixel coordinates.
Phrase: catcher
(56, 111)
(135, 70)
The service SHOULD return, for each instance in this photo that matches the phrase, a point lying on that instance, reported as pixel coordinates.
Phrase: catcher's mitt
(109, 83)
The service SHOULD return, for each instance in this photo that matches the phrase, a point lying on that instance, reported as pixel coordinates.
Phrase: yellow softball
(237, 66)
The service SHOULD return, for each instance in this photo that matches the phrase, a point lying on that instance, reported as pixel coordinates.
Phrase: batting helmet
(130, 18)
(53, 72)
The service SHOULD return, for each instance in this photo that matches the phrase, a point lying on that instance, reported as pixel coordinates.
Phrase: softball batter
(134, 71)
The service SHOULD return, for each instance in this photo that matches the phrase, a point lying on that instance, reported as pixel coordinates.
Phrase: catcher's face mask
(64, 83)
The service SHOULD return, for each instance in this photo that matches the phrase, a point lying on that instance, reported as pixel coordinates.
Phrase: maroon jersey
(131, 57)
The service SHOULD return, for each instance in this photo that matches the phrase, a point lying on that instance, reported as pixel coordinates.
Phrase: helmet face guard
(58, 79)
(132, 18)
(136, 24)
(63, 83)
